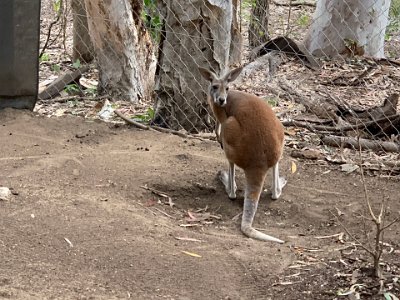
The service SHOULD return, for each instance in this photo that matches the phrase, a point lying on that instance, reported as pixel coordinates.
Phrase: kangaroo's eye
(227, 88)
(215, 87)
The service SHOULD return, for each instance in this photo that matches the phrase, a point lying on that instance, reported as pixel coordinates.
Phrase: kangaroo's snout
(221, 101)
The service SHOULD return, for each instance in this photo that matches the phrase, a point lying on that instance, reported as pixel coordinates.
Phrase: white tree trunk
(196, 33)
(336, 23)
(123, 48)
(235, 54)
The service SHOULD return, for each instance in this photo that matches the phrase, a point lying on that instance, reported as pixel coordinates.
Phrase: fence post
(19, 51)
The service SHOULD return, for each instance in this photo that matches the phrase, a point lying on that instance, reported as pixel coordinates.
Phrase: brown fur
(251, 134)
(252, 138)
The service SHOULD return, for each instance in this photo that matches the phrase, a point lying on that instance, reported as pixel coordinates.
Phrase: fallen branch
(164, 213)
(365, 144)
(362, 125)
(59, 84)
(130, 121)
(77, 98)
(326, 111)
(154, 213)
(156, 128)
(158, 193)
(309, 126)
(387, 61)
(345, 81)
(295, 3)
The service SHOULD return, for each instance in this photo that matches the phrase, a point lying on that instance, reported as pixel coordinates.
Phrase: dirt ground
(80, 225)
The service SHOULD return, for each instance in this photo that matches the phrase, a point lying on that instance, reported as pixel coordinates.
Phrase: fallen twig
(158, 193)
(235, 218)
(339, 235)
(286, 283)
(68, 242)
(187, 239)
(154, 191)
(164, 213)
(156, 128)
(145, 208)
(190, 225)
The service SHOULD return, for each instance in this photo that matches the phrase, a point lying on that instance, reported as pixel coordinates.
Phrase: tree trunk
(123, 48)
(82, 45)
(235, 56)
(348, 26)
(196, 33)
(258, 29)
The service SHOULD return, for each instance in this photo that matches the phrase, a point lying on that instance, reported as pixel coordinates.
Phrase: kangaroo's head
(219, 87)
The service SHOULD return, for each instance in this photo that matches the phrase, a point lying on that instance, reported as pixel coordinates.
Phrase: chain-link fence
(330, 69)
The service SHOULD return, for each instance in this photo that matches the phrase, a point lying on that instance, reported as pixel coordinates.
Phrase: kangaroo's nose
(221, 100)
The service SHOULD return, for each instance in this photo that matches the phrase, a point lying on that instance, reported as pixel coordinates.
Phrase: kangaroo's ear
(210, 76)
(232, 75)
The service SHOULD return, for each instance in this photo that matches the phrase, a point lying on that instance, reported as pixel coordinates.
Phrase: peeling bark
(82, 45)
(353, 27)
(123, 49)
(235, 55)
(197, 33)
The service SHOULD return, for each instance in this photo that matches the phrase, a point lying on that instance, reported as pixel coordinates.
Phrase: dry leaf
(348, 168)
(293, 167)
(191, 254)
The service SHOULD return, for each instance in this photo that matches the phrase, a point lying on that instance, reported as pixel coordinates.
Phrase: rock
(5, 193)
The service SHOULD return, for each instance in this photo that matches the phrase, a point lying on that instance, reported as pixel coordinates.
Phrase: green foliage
(303, 20)
(145, 117)
(272, 101)
(248, 3)
(394, 12)
(72, 89)
(246, 6)
(77, 64)
(151, 18)
(394, 20)
(44, 57)
(56, 68)
(57, 6)
(90, 92)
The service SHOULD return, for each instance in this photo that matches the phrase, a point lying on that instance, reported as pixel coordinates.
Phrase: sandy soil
(80, 225)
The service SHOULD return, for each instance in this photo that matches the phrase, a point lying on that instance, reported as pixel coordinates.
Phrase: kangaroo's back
(253, 135)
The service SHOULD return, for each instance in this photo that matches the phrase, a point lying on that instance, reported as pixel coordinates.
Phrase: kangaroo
(252, 138)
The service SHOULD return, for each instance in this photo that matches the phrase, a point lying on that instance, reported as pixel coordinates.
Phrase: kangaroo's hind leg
(254, 184)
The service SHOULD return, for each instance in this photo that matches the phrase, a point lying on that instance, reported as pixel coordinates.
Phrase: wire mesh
(331, 72)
